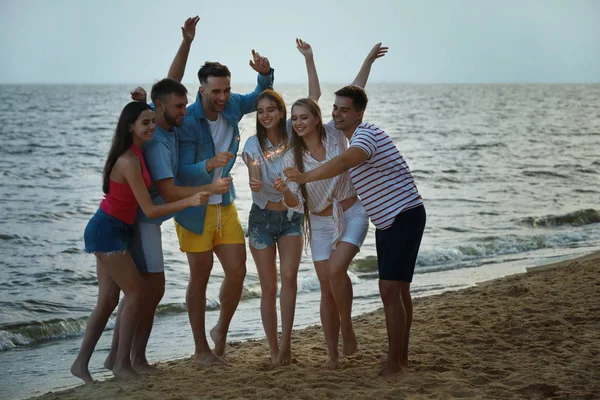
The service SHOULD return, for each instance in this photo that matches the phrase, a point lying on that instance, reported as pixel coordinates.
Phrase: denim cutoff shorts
(107, 234)
(265, 227)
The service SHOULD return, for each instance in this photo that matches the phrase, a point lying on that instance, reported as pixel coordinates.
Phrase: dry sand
(530, 336)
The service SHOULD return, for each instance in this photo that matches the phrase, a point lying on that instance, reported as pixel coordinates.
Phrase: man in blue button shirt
(208, 143)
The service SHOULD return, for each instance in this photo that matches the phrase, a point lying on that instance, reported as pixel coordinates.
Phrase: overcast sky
(133, 41)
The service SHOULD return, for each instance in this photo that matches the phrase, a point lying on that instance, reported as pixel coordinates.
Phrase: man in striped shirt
(390, 197)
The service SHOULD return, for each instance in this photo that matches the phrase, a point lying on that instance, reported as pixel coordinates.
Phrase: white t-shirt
(222, 135)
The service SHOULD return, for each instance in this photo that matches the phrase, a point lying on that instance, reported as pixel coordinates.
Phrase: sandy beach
(533, 335)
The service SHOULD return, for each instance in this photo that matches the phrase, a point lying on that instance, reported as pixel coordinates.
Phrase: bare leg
(395, 318)
(114, 346)
(290, 253)
(233, 260)
(122, 273)
(108, 298)
(154, 289)
(267, 274)
(330, 318)
(200, 266)
(341, 287)
(407, 302)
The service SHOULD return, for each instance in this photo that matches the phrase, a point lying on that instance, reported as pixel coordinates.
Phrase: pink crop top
(120, 201)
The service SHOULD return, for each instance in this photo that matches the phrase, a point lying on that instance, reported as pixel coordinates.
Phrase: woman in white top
(271, 226)
(336, 221)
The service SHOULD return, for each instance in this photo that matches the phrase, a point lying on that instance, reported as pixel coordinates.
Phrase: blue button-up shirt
(196, 147)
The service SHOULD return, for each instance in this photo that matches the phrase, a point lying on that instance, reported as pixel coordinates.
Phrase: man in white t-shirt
(390, 197)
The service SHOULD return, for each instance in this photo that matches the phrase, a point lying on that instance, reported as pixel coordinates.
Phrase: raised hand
(293, 175)
(219, 160)
(255, 185)
(376, 52)
(304, 48)
(280, 185)
(260, 64)
(188, 30)
(139, 94)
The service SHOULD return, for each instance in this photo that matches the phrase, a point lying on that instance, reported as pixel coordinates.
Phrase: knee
(389, 291)
(107, 304)
(269, 292)
(337, 272)
(289, 279)
(238, 273)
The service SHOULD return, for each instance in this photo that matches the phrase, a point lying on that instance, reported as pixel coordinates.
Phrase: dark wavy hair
(211, 68)
(299, 148)
(122, 138)
(261, 132)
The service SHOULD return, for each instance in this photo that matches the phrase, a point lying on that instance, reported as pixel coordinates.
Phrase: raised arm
(314, 87)
(363, 75)
(188, 31)
(264, 81)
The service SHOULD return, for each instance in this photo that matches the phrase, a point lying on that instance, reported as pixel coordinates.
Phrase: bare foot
(125, 373)
(285, 356)
(81, 372)
(208, 359)
(392, 369)
(109, 363)
(331, 363)
(146, 368)
(219, 340)
(350, 343)
(274, 357)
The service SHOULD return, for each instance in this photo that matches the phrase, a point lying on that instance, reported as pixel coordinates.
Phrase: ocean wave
(33, 332)
(576, 218)
(472, 254)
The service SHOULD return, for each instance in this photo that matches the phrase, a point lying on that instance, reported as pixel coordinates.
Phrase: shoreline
(528, 335)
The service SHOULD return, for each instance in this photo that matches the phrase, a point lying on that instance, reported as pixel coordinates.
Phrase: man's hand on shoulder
(260, 64)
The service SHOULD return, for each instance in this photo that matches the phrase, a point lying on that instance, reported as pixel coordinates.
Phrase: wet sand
(533, 335)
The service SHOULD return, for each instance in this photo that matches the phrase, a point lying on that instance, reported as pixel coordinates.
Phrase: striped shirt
(322, 194)
(383, 182)
(270, 164)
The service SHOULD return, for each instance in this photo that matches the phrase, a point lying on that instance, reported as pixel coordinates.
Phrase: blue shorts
(265, 227)
(107, 234)
(398, 245)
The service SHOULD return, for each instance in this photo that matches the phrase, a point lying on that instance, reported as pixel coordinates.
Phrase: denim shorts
(265, 227)
(107, 234)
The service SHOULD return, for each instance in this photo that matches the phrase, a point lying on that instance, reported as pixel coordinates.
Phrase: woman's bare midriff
(279, 206)
(346, 204)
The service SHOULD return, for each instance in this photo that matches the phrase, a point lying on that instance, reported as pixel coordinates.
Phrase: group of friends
(310, 181)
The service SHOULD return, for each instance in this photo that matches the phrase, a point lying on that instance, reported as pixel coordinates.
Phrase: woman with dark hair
(271, 226)
(336, 222)
(109, 234)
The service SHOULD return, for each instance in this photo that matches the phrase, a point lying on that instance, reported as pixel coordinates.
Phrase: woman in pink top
(109, 233)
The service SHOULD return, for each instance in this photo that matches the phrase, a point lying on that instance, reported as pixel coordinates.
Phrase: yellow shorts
(229, 232)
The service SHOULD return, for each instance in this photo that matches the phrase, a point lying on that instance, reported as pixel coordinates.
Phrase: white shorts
(356, 226)
(146, 250)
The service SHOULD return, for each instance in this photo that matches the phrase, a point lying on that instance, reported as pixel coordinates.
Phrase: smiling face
(304, 121)
(215, 93)
(345, 116)
(268, 114)
(143, 127)
(173, 109)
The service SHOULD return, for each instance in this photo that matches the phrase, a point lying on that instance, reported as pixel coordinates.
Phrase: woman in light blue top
(271, 226)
